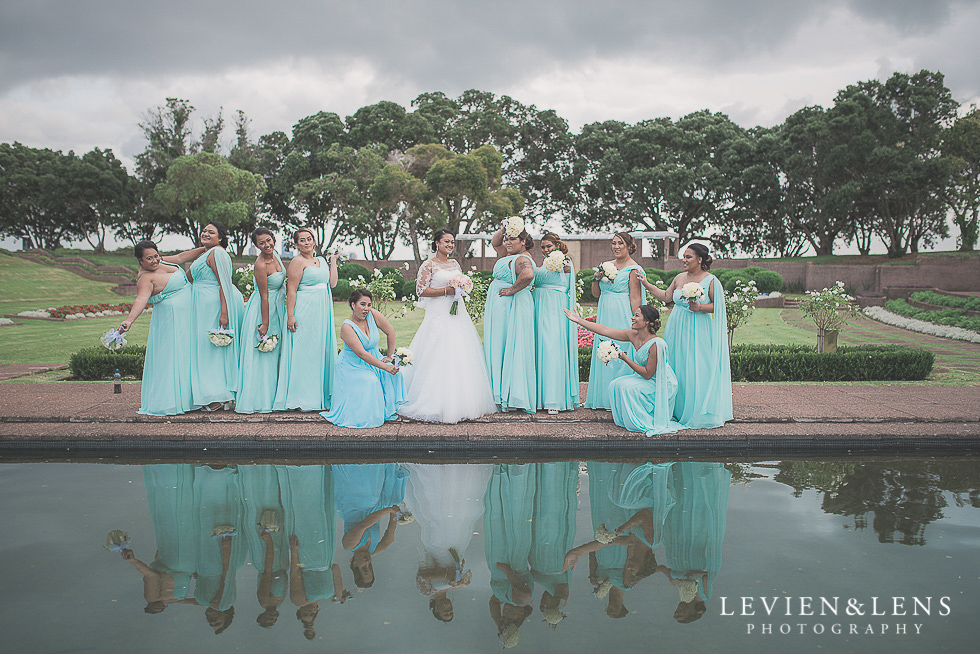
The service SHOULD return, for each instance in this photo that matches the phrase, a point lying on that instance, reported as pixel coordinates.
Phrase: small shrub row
(86, 309)
(99, 363)
(949, 317)
(783, 363)
(951, 301)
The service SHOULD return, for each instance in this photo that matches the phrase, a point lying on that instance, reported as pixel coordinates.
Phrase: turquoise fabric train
(166, 388)
(170, 497)
(309, 354)
(556, 341)
(697, 347)
(214, 376)
(616, 312)
(364, 396)
(508, 340)
(311, 517)
(259, 371)
(646, 405)
(222, 548)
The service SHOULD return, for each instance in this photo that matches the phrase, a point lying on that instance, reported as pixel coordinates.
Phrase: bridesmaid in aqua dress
(556, 340)
(217, 304)
(368, 389)
(264, 316)
(265, 533)
(618, 300)
(508, 324)
(697, 344)
(643, 401)
(166, 388)
(309, 344)
(553, 533)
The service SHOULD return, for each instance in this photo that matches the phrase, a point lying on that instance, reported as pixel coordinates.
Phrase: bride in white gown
(448, 381)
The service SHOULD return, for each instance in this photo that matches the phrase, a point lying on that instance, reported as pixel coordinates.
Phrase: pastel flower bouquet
(607, 270)
(402, 357)
(267, 343)
(463, 284)
(692, 291)
(221, 337)
(113, 340)
(607, 351)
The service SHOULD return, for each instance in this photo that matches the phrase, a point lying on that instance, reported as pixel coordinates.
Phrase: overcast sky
(76, 74)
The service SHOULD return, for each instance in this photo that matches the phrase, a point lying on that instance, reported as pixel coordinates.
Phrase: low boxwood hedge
(99, 363)
(951, 317)
(782, 363)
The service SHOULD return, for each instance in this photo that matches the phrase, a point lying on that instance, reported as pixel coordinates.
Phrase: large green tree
(34, 195)
(961, 143)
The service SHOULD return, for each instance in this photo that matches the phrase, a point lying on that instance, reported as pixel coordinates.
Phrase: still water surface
(251, 557)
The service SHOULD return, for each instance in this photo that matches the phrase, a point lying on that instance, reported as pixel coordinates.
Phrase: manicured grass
(39, 287)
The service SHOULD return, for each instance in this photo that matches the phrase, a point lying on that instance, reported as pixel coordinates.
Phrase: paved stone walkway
(79, 417)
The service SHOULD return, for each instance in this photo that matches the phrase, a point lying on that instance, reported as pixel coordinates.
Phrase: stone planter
(827, 341)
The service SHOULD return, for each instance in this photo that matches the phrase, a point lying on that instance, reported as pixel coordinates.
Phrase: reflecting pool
(567, 556)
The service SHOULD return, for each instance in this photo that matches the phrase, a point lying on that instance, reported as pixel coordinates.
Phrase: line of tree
(889, 160)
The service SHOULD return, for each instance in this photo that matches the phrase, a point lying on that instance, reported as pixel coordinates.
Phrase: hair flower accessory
(513, 226)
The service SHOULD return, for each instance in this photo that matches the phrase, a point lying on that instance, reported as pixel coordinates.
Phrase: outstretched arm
(183, 257)
(353, 537)
(144, 289)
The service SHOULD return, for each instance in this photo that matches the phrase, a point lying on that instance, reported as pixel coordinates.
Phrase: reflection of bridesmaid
(693, 534)
(553, 533)
(507, 527)
(222, 548)
(447, 501)
(264, 316)
(307, 495)
(265, 533)
(365, 495)
(170, 496)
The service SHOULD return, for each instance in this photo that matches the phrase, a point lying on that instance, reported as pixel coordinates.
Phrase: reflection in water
(642, 519)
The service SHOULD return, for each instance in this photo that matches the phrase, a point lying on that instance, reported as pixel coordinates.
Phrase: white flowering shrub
(829, 309)
(943, 331)
(740, 303)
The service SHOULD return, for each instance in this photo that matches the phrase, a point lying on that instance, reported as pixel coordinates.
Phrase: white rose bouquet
(603, 535)
(608, 270)
(267, 343)
(403, 357)
(513, 226)
(556, 261)
(113, 340)
(221, 337)
(692, 291)
(463, 284)
(607, 351)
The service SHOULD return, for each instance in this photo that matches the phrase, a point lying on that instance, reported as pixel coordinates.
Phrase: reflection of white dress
(447, 501)
(448, 381)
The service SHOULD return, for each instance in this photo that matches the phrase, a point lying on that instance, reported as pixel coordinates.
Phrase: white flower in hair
(513, 226)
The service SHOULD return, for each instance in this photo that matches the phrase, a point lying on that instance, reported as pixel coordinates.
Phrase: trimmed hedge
(584, 363)
(351, 271)
(342, 290)
(950, 317)
(951, 301)
(99, 363)
(781, 363)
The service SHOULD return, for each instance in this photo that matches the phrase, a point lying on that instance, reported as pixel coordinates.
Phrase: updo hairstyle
(143, 246)
(357, 294)
(526, 239)
(438, 236)
(222, 232)
(630, 243)
(652, 316)
(701, 252)
(554, 238)
(259, 231)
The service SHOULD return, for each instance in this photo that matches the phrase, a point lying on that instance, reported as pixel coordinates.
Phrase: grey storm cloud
(430, 42)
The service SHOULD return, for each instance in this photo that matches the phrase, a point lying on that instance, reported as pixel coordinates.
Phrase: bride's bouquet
(113, 340)
(267, 343)
(556, 261)
(402, 357)
(607, 351)
(513, 226)
(608, 270)
(692, 291)
(221, 337)
(463, 284)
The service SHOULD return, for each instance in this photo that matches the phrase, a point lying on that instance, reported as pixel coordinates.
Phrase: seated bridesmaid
(166, 389)
(643, 401)
(367, 388)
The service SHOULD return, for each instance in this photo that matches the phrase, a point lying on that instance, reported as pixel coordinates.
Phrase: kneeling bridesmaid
(367, 388)
(642, 401)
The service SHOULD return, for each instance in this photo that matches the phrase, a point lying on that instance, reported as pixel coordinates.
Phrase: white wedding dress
(448, 380)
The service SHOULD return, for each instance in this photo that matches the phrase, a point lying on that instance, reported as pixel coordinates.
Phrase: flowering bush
(70, 311)
(585, 337)
(740, 303)
(829, 309)
(943, 331)
(244, 279)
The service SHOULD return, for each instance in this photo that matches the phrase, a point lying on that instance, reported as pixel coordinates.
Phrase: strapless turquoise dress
(259, 371)
(508, 340)
(166, 388)
(214, 375)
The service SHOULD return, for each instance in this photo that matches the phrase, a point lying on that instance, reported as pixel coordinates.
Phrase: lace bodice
(436, 275)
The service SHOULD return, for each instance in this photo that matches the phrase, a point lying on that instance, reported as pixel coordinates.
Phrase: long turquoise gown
(260, 370)
(261, 497)
(646, 405)
(311, 516)
(363, 489)
(615, 311)
(647, 487)
(170, 496)
(605, 486)
(508, 340)
(214, 374)
(309, 354)
(553, 528)
(166, 388)
(364, 395)
(507, 526)
(695, 526)
(556, 340)
(217, 498)
(697, 347)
